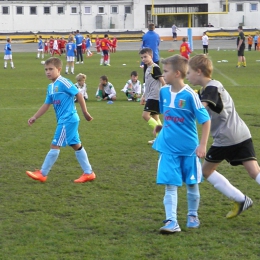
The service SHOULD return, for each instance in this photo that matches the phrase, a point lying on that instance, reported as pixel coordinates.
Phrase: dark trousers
(79, 53)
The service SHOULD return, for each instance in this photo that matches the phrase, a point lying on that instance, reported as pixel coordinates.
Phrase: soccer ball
(42, 62)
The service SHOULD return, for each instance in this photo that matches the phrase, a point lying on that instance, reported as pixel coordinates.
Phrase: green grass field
(117, 216)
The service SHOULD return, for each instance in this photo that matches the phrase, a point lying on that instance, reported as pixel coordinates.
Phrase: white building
(91, 15)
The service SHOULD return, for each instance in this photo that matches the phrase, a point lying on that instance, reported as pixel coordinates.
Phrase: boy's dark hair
(106, 35)
(8, 39)
(184, 39)
(151, 27)
(104, 77)
(146, 50)
(178, 63)
(240, 27)
(55, 61)
(134, 73)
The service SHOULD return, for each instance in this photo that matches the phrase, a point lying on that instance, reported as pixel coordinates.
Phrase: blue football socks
(50, 159)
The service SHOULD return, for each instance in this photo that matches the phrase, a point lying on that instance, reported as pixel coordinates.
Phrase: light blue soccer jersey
(8, 50)
(88, 43)
(180, 111)
(40, 44)
(61, 95)
(70, 48)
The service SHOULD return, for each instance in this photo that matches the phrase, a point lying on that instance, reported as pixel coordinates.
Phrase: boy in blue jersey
(8, 54)
(88, 45)
(60, 94)
(40, 48)
(232, 140)
(70, 53)
(178, 142)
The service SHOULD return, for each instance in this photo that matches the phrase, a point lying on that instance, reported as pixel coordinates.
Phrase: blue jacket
(152, 40)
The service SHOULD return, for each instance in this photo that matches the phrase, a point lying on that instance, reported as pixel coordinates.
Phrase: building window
(127, 9)
(46, 10)
(253, 7)
(240, 8)
(87, 10)
(60, 10)
(19, 9)
(225, 8)
(33, 10)
(114, 9)
(73, 10)
(5, 9)
(101, 10)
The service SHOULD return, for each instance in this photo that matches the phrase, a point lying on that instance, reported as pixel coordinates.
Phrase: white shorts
(8, 57)
(40, 49)
(70, 58)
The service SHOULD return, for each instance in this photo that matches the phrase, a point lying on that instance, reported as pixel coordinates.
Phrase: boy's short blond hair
(81, 76)
(54, 61)
(178, 63)
(203, 63)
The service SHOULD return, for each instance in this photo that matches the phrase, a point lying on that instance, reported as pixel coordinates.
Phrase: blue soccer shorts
(66, 134)
(174, 170)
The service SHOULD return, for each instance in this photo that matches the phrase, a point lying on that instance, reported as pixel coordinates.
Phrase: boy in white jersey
(231, 137)
(153, 82)
(205, 43)
(133, 88)
(178, 143)
(81, 85)
(106, 90)
(60, 94)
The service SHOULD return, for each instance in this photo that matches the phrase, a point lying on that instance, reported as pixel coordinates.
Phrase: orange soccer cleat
(86, 177)
(37, 175)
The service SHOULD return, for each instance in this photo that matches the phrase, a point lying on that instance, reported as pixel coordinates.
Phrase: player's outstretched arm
(83, 106)
(39, 113)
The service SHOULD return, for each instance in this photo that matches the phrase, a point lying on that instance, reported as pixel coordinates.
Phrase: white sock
(5, 64)
(12, 64)
(67, 69)
(225, 187)
(257, 179)
(72, 69)
(170, 202)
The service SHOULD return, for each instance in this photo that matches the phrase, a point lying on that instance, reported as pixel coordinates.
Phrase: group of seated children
(106, 90)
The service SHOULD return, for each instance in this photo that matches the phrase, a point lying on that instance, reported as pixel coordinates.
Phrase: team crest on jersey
(182, 103)
(56, 89)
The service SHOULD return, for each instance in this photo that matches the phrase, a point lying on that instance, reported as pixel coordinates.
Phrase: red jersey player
(114, 42)
(105, 44)
(97, 44)
(51, 42)
(185, 49)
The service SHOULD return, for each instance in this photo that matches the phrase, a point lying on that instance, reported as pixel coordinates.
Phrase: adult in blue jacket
(152, 40)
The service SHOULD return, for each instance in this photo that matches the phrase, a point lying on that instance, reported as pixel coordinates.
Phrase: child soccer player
(153, 82)
(46, 47)
(185, 49)
(8, 54)
(56, 47)
(114, 42)
(81, 85)
(60, 94)
(71, 50)
(231, 137)
(40, 48)
(133, 88)
(88, 45)
(106, 90)
(97, 44)
(178, 143)
(51, 42)
(105, 44)
(205, 43)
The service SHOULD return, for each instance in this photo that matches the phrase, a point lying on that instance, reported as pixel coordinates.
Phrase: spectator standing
(79, 39)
